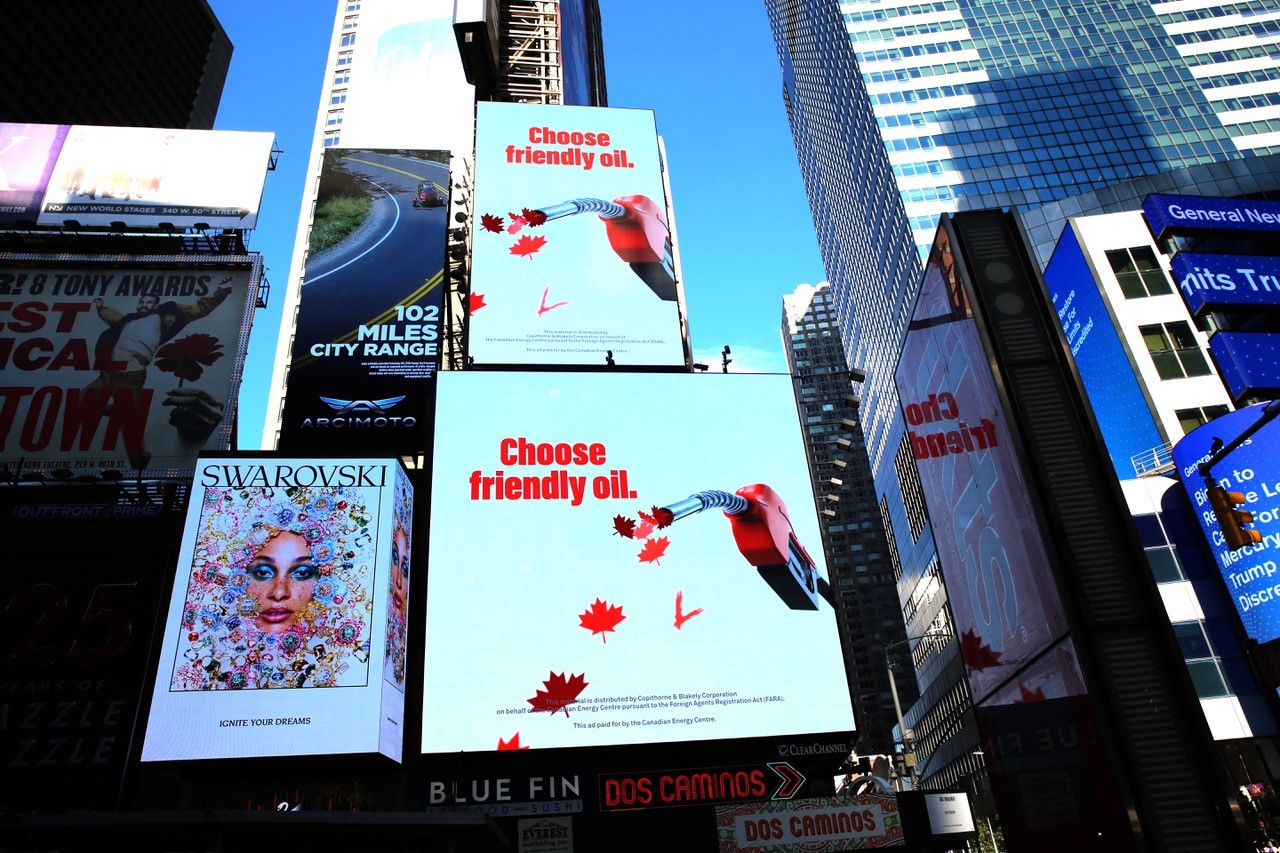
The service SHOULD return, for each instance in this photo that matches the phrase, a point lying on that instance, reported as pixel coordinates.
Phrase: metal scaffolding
(531, 67)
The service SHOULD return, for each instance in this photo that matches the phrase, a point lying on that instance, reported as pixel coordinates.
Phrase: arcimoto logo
(348, 414)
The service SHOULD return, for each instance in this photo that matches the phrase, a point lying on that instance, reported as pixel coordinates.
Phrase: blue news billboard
(1121, 409)
(1226, 281)
(1252, 574)
(1197, 213)
(1248, 362)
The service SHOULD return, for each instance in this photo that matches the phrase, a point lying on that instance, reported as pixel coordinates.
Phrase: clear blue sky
(707, 69)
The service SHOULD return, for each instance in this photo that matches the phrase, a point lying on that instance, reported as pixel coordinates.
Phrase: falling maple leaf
(475, 302)
(663, 516)
(644, 528)
(184, 357)
(600, 618)
(560, 693)
(681, 616)
(517, 222)
(653, 549)
(514, 743)
(977, 655)
(1036, 695)
(527, 245)
(624, 527)
(533, 217)
(492, 223)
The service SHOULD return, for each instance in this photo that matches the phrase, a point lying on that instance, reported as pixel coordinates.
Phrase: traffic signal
(1231, 519)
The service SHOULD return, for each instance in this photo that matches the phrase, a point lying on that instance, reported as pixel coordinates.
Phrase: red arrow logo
(792, 779)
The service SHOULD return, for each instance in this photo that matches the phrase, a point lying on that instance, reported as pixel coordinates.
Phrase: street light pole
(908, 742)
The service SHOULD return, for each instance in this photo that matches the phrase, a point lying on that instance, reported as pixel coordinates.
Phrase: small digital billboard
(28, 153)
(286, 631)
(1194, 214)
(1121, 409)
(131, 364)
(572, 259)
(367, 344)
(1000, 585)
(144, 177)
(626, 559)
(1253, 470)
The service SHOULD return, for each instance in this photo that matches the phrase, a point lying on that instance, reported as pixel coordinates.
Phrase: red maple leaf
(533, 217)
(663, 516)
(561, 692)
(475, 302)
(977, 654)
(527, 245)
(600, 618)
(644, 528)
(517, 222)
(624, 527)
(514, 743)
(653, 549)
(1036, 695)
(681, 616)
(184, 357)
(492, 223)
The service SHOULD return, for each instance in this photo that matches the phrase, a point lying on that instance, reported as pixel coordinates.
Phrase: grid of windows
(1174, 350)
(1189, 419)
(1138, 272)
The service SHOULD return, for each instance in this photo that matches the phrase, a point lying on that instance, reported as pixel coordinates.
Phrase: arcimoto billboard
(284, 633)
(367, 344)
(994, 561)
(571, 255)
(121, 363)
(139, 176)
(599, 605)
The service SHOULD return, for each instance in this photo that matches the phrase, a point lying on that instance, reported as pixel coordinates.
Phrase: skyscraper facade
(982, 106)
(148, 63)
(863, 573)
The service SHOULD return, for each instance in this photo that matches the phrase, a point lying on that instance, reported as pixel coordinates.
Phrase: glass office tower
(986, 105)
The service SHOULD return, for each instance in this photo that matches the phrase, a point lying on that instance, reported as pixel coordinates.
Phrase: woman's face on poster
(282, 577)
(400, 570)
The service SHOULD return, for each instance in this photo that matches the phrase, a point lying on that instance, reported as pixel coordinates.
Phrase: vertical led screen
(284, 632)
(628, 558)
(367, 344)
(1006, 605)
(1122, 411)
(1253, 469)
(132, 365)
(571, 252)
(407, 88)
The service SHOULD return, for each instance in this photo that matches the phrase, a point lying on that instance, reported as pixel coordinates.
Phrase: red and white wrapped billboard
(127, 363)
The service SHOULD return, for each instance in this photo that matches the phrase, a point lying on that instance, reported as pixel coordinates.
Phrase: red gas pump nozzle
(637, 230)
(763, 533)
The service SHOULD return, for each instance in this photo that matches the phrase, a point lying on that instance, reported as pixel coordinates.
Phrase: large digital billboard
(122, 363)
(1006, 605)
(571, 253)
(624, 558)
(1253, 469)
(285, 631)
(367, 344)
(1192, 214)
(140, 176)
(1226, 281)
(1122, 411)
(407, 87)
